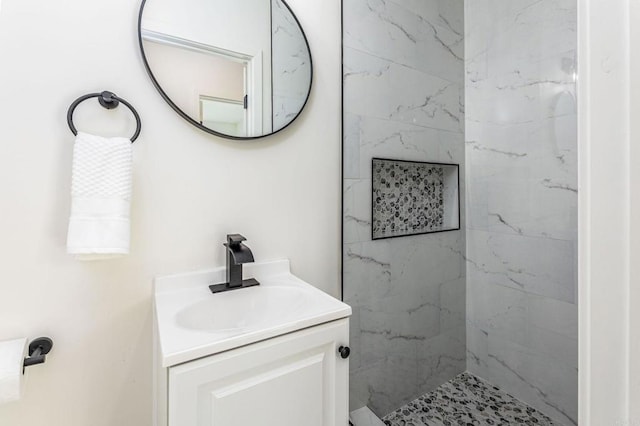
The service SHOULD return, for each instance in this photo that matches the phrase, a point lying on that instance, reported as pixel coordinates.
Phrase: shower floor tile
(467, 400)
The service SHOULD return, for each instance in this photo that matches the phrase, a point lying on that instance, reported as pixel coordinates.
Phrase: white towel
(99, 225)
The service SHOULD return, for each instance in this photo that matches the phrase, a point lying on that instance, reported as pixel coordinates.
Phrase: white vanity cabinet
(268, 355)
(298, 379)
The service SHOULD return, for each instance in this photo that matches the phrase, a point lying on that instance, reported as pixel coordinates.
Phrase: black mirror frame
(194, 122)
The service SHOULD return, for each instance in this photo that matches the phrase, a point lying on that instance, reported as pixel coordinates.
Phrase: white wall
(634, 290)
(223, 24)
(99, 314)
(609, 194)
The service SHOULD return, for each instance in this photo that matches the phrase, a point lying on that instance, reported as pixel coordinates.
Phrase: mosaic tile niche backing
(413, 198)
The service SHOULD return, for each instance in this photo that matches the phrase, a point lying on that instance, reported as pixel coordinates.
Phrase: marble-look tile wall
(521, 173)
(403, 99)
(290, 61)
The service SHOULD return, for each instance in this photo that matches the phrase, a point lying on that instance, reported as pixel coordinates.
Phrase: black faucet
(237, 255)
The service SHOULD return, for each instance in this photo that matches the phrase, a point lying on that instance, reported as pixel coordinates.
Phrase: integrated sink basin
(249, 309)
(192, 323)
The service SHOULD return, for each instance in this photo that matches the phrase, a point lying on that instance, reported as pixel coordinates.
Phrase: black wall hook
(108, 100)
(38, 350)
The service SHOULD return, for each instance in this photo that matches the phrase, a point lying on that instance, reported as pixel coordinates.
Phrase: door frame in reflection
(253, 75)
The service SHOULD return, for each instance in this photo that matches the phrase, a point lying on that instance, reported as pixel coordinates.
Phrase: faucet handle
(235, 239)
(238, 251)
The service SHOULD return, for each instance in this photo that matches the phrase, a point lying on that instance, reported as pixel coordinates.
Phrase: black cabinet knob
(344, 352)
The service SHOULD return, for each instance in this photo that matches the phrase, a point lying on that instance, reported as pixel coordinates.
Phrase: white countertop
(193, 323)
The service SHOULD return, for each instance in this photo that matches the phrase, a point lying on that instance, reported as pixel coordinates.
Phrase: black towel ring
(108, 100)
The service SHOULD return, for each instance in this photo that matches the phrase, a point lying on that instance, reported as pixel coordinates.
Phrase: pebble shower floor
(467, 400)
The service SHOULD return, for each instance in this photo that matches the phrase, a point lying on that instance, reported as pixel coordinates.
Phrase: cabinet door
(293, 380)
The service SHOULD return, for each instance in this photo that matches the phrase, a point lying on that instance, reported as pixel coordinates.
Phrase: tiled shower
(488, 85)
(407, 293)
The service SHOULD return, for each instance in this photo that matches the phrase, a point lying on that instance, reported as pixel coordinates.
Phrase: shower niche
(413, 197)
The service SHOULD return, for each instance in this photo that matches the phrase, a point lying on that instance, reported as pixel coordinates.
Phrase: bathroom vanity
(274, 354)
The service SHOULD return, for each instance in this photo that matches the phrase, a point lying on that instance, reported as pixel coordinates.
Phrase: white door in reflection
(226, 116)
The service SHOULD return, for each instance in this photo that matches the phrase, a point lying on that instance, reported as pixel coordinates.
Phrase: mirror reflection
(239, 69)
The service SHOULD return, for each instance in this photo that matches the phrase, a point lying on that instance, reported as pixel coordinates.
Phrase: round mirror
(239, 69)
